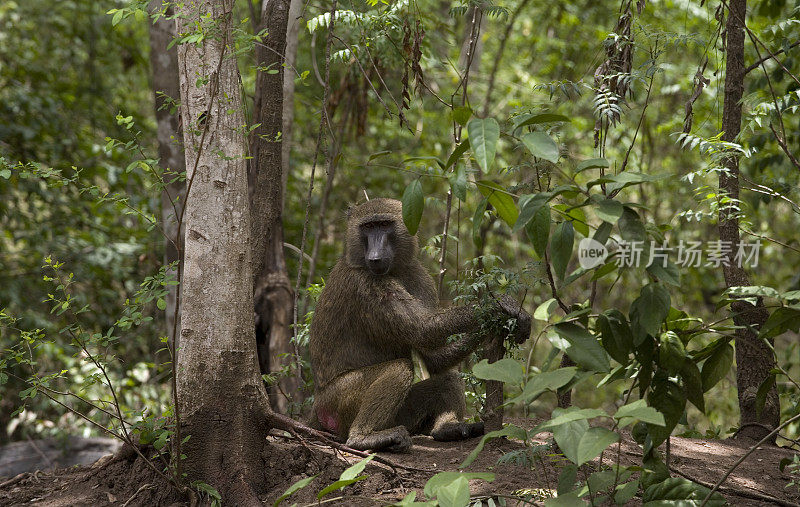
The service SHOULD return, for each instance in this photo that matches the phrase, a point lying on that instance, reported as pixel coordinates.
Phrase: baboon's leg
(436, 407)
(363, 405)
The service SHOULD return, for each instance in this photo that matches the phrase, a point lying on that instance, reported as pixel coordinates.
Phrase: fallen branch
(282, 422)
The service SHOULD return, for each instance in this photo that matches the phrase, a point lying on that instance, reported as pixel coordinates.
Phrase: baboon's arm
(448, 356)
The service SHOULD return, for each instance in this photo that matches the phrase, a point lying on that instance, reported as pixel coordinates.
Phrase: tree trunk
(272, 289)
(754, 358)
(221, 400)
(289, 75)
(166, 86)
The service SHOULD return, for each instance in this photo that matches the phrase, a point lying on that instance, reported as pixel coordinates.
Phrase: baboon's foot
(457, 431)
(394, 439)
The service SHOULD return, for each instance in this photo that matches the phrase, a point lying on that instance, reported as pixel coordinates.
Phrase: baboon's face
(378, 239)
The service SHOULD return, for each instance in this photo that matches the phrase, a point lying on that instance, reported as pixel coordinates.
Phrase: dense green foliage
(570, 123)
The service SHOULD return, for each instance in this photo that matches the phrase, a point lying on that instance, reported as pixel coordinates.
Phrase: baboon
(378, 305)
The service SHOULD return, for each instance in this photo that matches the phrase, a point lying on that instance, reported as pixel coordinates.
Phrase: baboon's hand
(510, 306)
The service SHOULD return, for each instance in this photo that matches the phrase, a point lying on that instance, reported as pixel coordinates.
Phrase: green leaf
(538, 230)
(781, 320)
(342, 483)
(609, 210)
(717, 365)
(541, 145)
(603, 270)
(477, 220)
(500, 199)
(593, 442)
(443, 479)
(483, 136)
(570, 415)
(592, 163)
(510, 431)
(545, 310)
(529, 205)
(570, 499)
(348, 477)
(5, 174)
(568, 436)
(630, 226)
(460, 149)
(413, 204)
(528, 119)
(545, 381)
(297, 486)
(561, 248)
(638, 411)
(506, 370)
(455, 494)
(356, 469)
(567, 479)
(161, 304)
(693, 384)
(458, 182)
(651, 308)
(616, 335)
(670, 400)
(668, 273)
(680, 492)
(462, 114)
(117, 17)
(671, 352)
(583, 347)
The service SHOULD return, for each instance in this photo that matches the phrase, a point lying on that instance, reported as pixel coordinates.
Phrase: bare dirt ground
(125, 480)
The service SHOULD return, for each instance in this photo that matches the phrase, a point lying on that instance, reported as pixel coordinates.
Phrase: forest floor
(115, 481)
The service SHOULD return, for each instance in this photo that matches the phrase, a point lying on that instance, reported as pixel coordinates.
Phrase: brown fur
(364, 329)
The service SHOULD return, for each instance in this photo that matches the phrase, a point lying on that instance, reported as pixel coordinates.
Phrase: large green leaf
(506, 370)
(533, 119)
(583, 348)
(561, 248)
(460, 149)
(631, 227)
(671, 352)
(693, 384)
(541, 145)
(680, 492)
(413, 204)
(538, 230)
(650, 309)
(608, 210)
(483, 137)
(529, 205)
(670, 400)
(593, 442)
(500, 199)
(455, 494)
(545, 381)
(717, 365)
(616, 335)
(638, 411)
(443, 479)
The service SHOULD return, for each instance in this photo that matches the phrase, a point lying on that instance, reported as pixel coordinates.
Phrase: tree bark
(754, 357)
(221, 400)
(166, 86)
(289, 75)
(272, 289)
